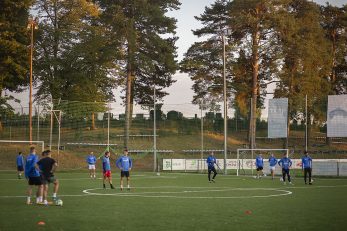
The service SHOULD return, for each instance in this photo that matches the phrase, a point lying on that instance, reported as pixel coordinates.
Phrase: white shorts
(91, 166)
(272, 168)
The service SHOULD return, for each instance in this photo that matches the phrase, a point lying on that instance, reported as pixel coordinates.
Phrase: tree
(148, 52)
(334, 22)
(14, 63)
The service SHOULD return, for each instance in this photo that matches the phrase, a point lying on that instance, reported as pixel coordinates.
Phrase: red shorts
(107, 173)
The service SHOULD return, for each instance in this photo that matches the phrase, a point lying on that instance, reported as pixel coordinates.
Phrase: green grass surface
(175, 201)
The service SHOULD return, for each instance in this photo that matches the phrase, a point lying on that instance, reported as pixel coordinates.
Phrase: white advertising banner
(337, 116)
(277, 118)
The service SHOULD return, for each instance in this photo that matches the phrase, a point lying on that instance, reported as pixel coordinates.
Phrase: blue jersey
(306, 162)
(20, 161)
(259, 162)
(91, 159)
(106, 164)
(125, 163)
(211, 160)
(272, 161)
(30, 169)
(285, 163)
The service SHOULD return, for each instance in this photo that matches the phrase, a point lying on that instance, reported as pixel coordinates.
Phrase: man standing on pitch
(47, 167)
(91, 160)
(259, 164)
(32, 173)
(307, 167)
(272, 163)
(285, 163)
(211, 161)
(106, 168)
(20, 164)
(124, 163)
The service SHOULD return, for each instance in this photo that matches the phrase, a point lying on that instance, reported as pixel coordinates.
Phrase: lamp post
(32, 24)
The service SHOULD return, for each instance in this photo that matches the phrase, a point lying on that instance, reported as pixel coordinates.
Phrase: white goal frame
(25, 141)
(252, 157)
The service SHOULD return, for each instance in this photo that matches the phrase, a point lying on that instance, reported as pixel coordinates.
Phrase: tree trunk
(255, 71)
(93, 127)
(128, 106)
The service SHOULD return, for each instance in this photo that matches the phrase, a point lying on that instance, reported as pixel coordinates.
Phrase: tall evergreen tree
(148, 52)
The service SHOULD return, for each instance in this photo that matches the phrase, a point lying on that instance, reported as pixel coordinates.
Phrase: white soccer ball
(158, 173)
(264, 174)
(59, 202)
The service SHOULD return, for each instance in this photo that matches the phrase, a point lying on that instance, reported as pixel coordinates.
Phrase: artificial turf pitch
(175, 201)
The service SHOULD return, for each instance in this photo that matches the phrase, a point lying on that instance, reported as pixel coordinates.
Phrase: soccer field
(174, 201)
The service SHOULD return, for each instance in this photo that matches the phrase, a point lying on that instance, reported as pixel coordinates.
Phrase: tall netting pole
(154, 132)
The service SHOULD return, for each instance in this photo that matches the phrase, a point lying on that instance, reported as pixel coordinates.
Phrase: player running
(211, 161)
(272, 162)
(285, 163)
(259, 163)
(32, 173)
(106, 168)
(47, 167)
(124, 163)
(20, 164)
(91, 160)
(307, 167)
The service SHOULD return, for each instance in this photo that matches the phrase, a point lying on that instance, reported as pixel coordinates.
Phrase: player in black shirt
(48, 166)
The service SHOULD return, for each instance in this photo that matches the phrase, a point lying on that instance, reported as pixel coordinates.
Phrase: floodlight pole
(108, 127)
(225, 109)
(154, 131)
(32, 24)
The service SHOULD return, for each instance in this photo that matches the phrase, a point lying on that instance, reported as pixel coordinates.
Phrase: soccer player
(259, 163)
(307, 167)
(91, 160)
(106, 168)
(285, 163)
(124, 163)
(20, 164)
(32, 173)
(272, 162)
(47, 167)
(211, 160)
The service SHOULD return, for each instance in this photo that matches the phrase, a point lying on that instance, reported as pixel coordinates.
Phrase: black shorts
(20, 168)
(259, 168)
(285, 171)
(35, 180)
(124, 174)
(48, 179)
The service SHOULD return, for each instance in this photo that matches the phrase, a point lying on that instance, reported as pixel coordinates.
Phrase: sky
(180, 93)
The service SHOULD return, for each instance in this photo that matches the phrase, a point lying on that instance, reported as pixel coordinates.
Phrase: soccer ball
(158, 173)
(264, 174)
(59, 202)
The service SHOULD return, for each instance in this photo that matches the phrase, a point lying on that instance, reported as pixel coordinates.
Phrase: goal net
(246, 160)
(9, 149)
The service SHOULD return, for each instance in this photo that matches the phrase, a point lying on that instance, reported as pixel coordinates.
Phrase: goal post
(42, 143)
(246, 158)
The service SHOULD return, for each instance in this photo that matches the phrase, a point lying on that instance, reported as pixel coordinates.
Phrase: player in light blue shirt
(211, 161)
(106, 168)
(20, 164)
(91, 160)
(285, 163)
(259, 164)
(32, 173)
(124, 163)
(306, 163)
(272, 162)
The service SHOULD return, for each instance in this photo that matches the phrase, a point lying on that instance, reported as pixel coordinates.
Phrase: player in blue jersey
(211, 161)
(124, 163)
(285, 163)
(259, 164)
(106, 168)
(272, 162)
(20, 164)
(91, 160)
(306, 163)
(32, 173)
